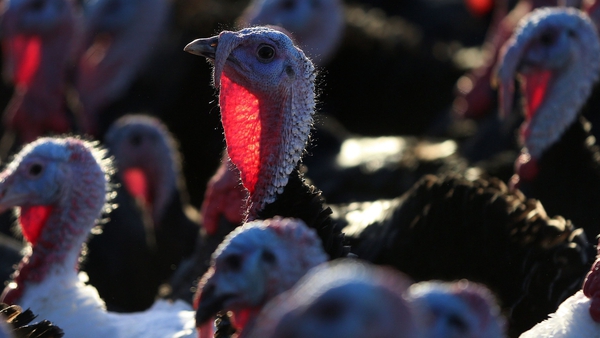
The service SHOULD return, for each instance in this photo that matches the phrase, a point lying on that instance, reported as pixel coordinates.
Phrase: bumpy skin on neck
(266, 120)
(274, 253)
(565, 43)
(38, 50)
(75, 203)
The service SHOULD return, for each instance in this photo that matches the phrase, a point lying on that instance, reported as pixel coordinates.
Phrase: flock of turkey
(479, 228)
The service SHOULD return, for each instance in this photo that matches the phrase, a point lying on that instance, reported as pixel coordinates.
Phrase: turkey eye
(547, 39)
(234, 262)
(458, 323)
(35, 169)
(288, 4)
(38, 5)
(135, 140)
(265, 53)
(268, 257)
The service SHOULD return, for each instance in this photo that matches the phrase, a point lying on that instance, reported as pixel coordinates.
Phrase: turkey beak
(203, 47)
(210, 303)
(9, 198)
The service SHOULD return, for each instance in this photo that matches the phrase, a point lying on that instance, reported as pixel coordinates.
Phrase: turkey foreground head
(344, 298)
(60, 187)
(255, 263)
(267, 101)
(554, 53)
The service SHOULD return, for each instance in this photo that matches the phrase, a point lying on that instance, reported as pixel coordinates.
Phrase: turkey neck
(568, 182)
(56, 250)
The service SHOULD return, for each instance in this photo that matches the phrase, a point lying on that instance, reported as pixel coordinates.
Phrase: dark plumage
(568, 181)
(451, 228)
(117, 259)
(304, 201)
(21, 326)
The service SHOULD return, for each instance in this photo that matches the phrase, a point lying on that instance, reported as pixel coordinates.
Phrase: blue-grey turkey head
(59, 186)
(267, 102)
(554, 53)
(147, 160)
(317, 25)
(256, 262)
(120, 37)
(343, 298)
(40, 39)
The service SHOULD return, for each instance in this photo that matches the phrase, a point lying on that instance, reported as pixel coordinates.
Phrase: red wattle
(26, 52)
(595, 308)
(479, 7)
(241, 123)
(32, 221)
(136, 183)
(536, 87)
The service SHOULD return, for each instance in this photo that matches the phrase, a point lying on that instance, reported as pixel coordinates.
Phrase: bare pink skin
(591, 289)
(224, 196)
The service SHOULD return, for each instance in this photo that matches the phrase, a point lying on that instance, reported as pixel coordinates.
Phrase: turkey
(555, 54)
(456, 309)
(255, 263)
(40, 39)
(149, 165)
(576, 317)
(414, 232)
(265, 137)
(120, 36)
(144, 240)
(344, 298)
(60, 187)
(19, 324)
